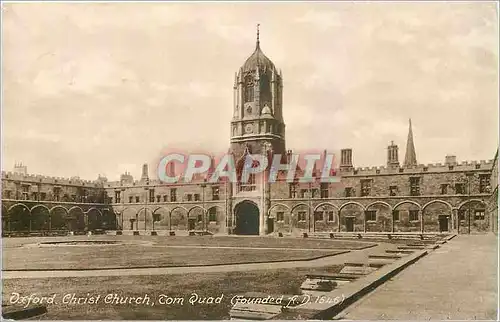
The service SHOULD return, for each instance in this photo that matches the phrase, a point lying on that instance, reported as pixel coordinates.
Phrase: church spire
(258, 40)
(410, 156)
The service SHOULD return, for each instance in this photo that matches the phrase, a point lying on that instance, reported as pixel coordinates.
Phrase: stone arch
(247, 214)
(144, 218)
(59, 218)
(178, 218)
(437, 216)
(300, 217)
(351, 203)
(197, 218)
(405, 202)
(351, 217)
(161, 218)
(326, 203)
(277, 205)
(218, 213)
(40, 218)
(472, 216)
(407, 216)
(19, 217)
(76, 219)
(128, 218)
(471, 200)
(383, 217)
(437, 201)
(94, 219)
(326, 217)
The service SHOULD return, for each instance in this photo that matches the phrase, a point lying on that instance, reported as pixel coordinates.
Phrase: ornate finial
(258, 40)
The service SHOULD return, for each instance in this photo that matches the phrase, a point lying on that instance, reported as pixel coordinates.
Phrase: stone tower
(257, 122)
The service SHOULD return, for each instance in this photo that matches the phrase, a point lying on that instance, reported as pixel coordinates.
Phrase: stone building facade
(408, 197)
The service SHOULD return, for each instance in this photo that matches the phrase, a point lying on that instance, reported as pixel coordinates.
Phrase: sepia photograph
(239, 160)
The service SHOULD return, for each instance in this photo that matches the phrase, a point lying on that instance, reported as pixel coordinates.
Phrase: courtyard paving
(457, 281)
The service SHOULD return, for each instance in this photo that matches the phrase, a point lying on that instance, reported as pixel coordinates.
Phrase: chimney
(450, 160)
(346, 159)
(392, 156)
(145, 176)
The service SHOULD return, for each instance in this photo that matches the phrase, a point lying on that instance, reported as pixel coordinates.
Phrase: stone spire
(410, 156)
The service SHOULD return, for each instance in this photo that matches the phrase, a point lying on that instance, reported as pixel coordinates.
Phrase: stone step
(338, 276)
(251, 311)
(382, 256)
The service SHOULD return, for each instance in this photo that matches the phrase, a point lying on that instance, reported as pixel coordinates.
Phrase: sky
(101, 88)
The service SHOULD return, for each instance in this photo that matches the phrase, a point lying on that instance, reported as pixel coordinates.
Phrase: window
(413, 215)
(415, 186)
(43, 195)
(318, 215)
(249, 92)
(478, 166)
(151, 195)
(137, 199)
(7, 194)
(349, 192)
(330, 216)
(212, 214)
(280, 216)
(292, 190)
(196, 197)
(215, 193)
(158, 198)
(303, 193)
(395, 215)
(484, 183)
(189, 197)
(117, 196)
(314, 193)
(301, 216)
(324, 190)
(56, 191)
(371, 215)
(156, 217)
(365, 187)
(444, 188)
(479, 214)
(200, 218)
(165, 198)
(393, 190)
(459, 188)
(130, 198)
(173, 194)
(450, 167)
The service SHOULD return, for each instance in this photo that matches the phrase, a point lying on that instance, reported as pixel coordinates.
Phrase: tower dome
(258, 60)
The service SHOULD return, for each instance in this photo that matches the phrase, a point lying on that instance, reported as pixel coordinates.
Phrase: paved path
(325, 261)
(457, 281)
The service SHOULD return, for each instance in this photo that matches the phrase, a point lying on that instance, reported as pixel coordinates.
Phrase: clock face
(248, 128)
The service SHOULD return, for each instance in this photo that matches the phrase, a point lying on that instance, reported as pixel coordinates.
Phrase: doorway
(191, 223)
(270, 225)
(247, 218)
(349, 224)
(443, 223)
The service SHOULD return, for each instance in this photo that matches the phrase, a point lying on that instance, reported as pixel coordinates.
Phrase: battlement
(423, 168)
(36, 178)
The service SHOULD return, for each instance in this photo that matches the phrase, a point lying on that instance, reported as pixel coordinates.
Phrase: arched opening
(76, 219)
(161, 219)
(352, 218)
(325, 217)
(40, 219)
(407, 217)
(437, 217)
(247, 218)
(178, 219)
(94, 218)
(472, 216)
(279, 219)
(378, 217)
(195, 219)
(58, 219)
(19, 218)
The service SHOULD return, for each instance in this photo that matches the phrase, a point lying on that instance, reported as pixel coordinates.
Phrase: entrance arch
(247, 218)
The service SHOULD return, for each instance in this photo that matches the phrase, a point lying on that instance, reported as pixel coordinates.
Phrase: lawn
(148, 251)
(278, 282)
(120, 256)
